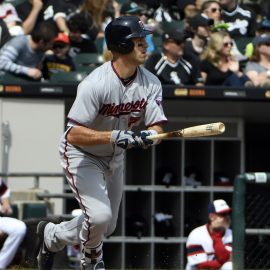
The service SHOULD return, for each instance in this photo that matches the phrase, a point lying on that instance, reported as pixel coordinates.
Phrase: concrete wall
(35, 127)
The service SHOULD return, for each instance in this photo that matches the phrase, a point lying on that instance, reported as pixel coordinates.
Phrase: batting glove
(124, 138)
(143, 142)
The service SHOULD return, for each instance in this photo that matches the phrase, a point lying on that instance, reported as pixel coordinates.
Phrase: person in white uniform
(210, 246)
(109, 102)
(15, 229)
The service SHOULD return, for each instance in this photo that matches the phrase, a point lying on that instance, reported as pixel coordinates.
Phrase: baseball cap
(200, 20)
(61, 38)
(130, 8)
(218, 207)
(173, 34)
(261, 40)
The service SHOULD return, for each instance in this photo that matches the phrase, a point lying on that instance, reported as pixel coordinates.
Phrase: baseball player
(210, 246)
(14, 229)
(110, 101)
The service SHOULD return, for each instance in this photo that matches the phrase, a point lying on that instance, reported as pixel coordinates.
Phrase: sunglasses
(227, 44)
(59, 46)
(214, 10)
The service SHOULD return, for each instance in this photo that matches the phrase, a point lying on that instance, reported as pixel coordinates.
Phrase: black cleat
(45, 257)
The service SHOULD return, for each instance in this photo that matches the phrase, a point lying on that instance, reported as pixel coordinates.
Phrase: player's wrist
(114, 135)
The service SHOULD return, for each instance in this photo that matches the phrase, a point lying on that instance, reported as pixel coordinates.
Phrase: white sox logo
(122, 108)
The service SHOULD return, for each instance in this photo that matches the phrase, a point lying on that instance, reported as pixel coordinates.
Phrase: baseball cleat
(45, 257)
(97, 266)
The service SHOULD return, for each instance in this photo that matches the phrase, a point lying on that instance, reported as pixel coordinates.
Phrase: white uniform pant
(15, 229)
(99, 193)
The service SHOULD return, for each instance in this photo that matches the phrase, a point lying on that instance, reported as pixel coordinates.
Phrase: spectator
(241, 22)
(263, 28)
(59, 60)
(200, 28)
(94, 10)
(199, 3)
(80, 42)
(258, 67)
(33, 12)
(22, 55)
(187, 8)
(210, 246)
(12, 227)
(9, 14)
(212, 10)
(218, 66)
(170, 66)
(4, 33)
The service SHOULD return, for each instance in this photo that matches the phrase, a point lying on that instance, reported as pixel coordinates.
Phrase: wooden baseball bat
(191, 132)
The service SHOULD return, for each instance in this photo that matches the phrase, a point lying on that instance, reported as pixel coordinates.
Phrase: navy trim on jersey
(126, 81)
(194, 249)
(76, 192)
(75, 122)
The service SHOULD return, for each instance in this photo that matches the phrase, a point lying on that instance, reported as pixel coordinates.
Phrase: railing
(36, 176)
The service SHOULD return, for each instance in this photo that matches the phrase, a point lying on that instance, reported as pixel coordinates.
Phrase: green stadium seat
(99, 45)
(175, 24)
(68, 77)
(15, 2)
(15, 211)
(85, 60)
(34, 210)
(10, 78)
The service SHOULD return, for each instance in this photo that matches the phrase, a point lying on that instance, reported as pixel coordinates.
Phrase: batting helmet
(119, 32)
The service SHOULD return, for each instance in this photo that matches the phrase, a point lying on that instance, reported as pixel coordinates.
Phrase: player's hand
(143, 141)
(124, 138)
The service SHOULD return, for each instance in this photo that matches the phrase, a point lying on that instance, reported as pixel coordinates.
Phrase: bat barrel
(210, 129)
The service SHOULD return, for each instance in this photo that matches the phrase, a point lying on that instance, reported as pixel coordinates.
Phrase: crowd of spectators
(194, 42)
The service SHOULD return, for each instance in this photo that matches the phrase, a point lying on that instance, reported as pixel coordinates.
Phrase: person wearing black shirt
(241, 21)
(170, 66)
(200, 27)
(80, 42)
(34, 12)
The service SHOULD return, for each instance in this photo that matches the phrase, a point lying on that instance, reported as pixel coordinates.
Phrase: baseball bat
(191, 132)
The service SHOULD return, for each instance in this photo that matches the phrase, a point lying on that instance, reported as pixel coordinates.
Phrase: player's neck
(123, 69)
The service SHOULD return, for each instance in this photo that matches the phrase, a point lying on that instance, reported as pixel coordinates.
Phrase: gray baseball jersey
(104, 104)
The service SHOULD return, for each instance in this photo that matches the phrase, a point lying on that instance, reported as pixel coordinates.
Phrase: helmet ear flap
(125, 46)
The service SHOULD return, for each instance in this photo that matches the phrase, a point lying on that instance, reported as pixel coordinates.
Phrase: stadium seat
(175, 24)
(84, 61)
(99, 45)
(10, 78)
(68, 77)
(15, 2)
(34, 209)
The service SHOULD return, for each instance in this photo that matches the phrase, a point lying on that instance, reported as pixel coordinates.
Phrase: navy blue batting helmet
(120, 30)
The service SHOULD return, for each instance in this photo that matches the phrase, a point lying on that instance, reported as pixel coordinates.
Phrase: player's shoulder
(198, 231)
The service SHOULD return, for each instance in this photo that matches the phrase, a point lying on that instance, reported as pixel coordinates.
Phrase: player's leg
(115, 191)
(15, 229)
(88, 184)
